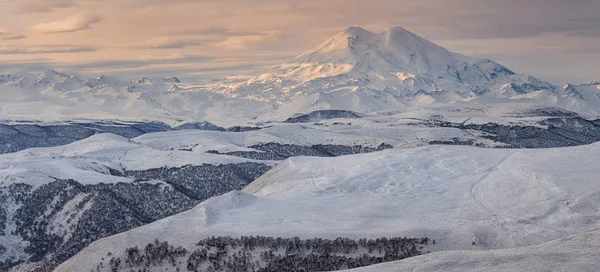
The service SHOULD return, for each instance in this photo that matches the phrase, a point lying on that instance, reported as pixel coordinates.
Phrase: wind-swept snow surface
(90, 161)
(578, 253)
(463, 197)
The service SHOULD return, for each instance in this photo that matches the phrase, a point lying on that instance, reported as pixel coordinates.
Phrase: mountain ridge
(355, 70)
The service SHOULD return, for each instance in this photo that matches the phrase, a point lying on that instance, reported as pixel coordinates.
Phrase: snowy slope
(52, 96)
(89, 161)
(576, 253)
(56, 200)
(366, 132)
(463, 197)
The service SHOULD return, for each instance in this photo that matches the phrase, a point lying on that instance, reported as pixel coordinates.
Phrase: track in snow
(487, 209)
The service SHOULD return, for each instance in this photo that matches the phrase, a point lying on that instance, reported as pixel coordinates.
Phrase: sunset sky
(556, 40)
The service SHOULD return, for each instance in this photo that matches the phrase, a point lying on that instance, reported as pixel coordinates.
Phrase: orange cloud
(69, 24)
(46, 5)
(49, 49)
(166, 43)
(8, 35)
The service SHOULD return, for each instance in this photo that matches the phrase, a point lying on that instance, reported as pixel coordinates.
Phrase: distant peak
(353, 34)
(107, 79)
(359, 40)
(51, 73)
(149, 80)
(400, 35)
(356, 30)
(102, 80)
(144, 80)
(173, 79)
(396, 29)
(346, 39)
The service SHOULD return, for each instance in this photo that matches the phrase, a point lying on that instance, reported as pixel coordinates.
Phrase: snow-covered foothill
(463, 197)
(575, 253)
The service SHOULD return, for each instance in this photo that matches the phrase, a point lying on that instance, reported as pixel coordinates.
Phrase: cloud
(247, 41)
(69, 24)
(217, 31)
(140, 62)
(7, 35)
(188, 68)
(226, 38)
(49, 49)
(46, 5)
(209, 30)
(166, 43)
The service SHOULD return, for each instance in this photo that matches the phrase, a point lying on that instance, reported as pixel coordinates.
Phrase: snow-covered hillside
(355, 70)
(50, 196)
(89, 161)
(126, 182)
(576, 253)
(54, 201)
(463, 197)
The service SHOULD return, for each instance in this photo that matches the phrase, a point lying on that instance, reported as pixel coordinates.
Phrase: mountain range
(355, 70)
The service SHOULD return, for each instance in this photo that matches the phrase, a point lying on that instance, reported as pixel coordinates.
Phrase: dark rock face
(275, 151)
(58, 219)
(317, 116)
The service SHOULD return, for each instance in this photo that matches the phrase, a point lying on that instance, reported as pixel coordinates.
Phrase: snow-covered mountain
(355, 70)
(395, 62)
(461, 197)
(395, 69)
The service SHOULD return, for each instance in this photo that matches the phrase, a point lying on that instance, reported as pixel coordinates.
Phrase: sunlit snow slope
(463, 197)
(577, 253)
